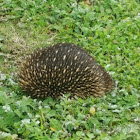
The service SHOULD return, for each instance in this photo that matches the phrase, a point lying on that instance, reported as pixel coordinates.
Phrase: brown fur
(63, 68)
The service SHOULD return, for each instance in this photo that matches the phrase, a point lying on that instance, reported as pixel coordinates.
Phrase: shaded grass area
(109, 30)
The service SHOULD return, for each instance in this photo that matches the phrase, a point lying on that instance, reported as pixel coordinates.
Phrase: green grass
(109, 30)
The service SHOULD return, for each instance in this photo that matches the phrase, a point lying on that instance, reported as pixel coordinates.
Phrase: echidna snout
(63, 68)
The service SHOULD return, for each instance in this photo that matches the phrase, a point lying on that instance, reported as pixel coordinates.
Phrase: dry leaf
(52, 129)
(87, 2)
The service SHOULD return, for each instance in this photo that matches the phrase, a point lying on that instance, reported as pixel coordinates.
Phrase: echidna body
(63, 68)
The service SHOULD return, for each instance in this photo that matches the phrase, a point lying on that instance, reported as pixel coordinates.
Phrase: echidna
(63, 68)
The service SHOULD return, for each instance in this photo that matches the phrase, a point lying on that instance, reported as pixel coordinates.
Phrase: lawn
(109, 30)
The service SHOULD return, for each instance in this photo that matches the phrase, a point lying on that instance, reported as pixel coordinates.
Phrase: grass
(109, 30)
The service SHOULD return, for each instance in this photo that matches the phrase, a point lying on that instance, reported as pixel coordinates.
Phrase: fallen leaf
(52, 129)
(87, 2)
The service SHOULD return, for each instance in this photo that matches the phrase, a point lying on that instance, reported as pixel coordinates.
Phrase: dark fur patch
(63, 68)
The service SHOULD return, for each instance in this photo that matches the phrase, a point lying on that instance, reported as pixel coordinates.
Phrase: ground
(109, 30)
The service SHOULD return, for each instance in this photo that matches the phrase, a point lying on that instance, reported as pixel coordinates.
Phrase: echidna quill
(63, 68)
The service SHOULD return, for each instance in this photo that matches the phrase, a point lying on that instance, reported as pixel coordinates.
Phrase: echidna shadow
(63, 68)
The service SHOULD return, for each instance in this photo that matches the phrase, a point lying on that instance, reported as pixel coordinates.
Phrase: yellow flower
(92, 110)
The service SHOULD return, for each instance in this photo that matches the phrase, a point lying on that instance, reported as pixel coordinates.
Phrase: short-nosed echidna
(63, 68)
